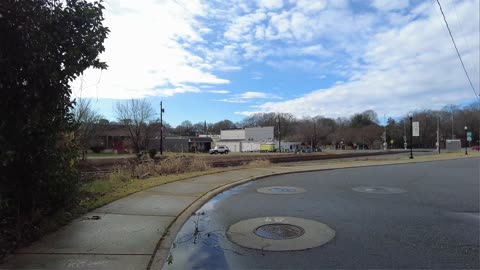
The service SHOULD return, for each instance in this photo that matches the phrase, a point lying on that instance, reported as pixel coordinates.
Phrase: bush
(171, 165)
(152, 152)
(45, 45)
(97, 149)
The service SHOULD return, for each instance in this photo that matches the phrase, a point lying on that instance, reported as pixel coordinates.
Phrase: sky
(227, 59)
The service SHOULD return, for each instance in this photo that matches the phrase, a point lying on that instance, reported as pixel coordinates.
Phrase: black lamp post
(410, 115)
(466, 142)
(162, 110)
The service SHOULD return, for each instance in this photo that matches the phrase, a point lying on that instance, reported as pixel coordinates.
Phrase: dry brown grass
(259, 163)
(170, 165)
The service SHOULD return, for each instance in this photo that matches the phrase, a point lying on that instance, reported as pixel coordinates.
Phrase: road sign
(469, 134)
(415, 129)
(469, 139)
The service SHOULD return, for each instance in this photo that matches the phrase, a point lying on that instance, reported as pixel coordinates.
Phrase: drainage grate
(279, 231)
(380, 190)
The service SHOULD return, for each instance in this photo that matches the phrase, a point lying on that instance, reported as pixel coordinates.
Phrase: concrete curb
(162, 249)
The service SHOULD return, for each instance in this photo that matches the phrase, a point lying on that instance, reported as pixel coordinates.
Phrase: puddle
(201, 243)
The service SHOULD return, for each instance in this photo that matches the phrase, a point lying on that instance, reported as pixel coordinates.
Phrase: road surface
(433, 224)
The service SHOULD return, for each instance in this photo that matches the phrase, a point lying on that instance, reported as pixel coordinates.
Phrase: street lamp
(466, 143)
(410, 115)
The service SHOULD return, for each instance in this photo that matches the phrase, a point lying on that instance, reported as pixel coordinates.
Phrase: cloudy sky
(225, 59)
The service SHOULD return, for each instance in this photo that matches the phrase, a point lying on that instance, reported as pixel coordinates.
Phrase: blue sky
(214, 60)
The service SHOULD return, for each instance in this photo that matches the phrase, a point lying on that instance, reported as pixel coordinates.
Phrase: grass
(100, 192)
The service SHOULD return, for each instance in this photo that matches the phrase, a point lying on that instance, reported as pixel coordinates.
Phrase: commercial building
(247, 139)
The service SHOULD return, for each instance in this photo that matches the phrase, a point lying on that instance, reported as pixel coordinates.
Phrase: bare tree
(89, 124)
(136, 114)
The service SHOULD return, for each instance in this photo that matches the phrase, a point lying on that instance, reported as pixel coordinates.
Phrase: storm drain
(280, 233)
(380, 190)
(280, 190)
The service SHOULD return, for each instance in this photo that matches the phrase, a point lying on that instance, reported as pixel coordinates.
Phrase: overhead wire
(456, 49)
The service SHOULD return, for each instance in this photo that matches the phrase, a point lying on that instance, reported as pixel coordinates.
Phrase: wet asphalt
(435, 224)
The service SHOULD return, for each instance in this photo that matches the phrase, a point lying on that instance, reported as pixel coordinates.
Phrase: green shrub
(45, 45)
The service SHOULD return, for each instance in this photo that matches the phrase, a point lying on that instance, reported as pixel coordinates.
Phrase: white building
(246, 140)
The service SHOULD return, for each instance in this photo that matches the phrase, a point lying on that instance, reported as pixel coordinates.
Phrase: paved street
(433, 224)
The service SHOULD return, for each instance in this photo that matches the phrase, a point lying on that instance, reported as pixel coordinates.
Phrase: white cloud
(389, 5)
(247, 113)
(270, 4)
(407, 68)
(248, 97)
(241, 28)
(146, 53)
(177, 90)
(219, 91)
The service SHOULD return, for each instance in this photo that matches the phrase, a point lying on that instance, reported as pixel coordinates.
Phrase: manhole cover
(280, 190)
(380, 190)
(279, 231)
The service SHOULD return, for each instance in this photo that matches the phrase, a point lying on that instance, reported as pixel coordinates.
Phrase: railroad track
(90, 170)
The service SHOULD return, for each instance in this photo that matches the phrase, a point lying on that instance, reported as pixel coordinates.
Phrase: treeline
(360, 129)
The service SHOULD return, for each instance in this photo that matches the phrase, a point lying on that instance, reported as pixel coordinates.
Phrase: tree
(89, 123)
(185, 129)
(222, 125)
(363, 119)
(136, 114)
(44, 46)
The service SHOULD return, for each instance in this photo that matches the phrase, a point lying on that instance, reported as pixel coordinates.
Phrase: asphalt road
(434, 224)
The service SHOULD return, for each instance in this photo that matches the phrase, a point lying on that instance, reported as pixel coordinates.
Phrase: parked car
(219, 149)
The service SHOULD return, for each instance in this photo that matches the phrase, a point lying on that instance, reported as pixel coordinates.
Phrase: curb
(162, 250)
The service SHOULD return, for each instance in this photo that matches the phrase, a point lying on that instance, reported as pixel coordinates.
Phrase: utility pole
(278, 133)
(451, 109)
(161, 127)
(438, 134)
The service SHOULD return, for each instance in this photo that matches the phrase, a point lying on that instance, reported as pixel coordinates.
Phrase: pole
(411, 137)
(466, 142)
(438, 134)
(161, 128)
(451, 108)
(278, 133)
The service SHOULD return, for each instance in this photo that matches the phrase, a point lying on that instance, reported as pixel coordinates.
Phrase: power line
(456, 49)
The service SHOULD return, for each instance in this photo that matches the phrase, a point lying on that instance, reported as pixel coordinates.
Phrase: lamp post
(466, 143)
(410, 115)
(162, 110)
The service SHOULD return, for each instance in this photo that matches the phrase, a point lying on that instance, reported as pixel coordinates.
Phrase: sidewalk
(125, 234)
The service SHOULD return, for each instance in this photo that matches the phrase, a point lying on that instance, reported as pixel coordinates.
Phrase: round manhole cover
(279, 231)
(380, 190)
(280, 190)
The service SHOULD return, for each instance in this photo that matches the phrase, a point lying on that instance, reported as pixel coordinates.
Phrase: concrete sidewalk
(125, 234)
